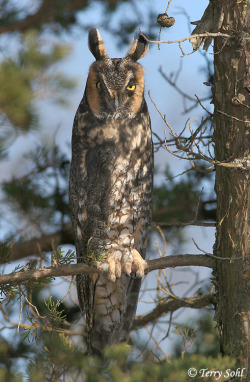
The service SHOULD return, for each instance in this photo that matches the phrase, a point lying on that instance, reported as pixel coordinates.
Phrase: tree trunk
(232, 144)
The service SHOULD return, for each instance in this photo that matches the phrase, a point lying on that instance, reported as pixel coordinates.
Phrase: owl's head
(115, 86)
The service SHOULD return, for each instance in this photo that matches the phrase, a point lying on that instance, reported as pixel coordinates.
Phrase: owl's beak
(116, 99)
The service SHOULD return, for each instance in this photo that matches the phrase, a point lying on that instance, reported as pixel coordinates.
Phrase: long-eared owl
(111, 190)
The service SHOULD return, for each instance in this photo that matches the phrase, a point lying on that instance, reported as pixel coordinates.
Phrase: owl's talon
(127, 267)
(139, 263)
(102, 267)
(132, 276)
(112, 277)
(112, 267)
(115, 266)
(118, 270)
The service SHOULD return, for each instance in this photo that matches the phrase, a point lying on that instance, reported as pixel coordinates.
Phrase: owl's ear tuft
(96, 44)
(138, 49)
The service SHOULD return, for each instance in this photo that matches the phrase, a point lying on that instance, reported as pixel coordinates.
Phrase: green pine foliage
(59, 360)
(60, 257)
(55, 314)
(34, 197)
(16, 95)
(5, 250)
(27, 76)
(203, 338)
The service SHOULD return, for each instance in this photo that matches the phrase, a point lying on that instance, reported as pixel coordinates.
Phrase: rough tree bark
(232, 144)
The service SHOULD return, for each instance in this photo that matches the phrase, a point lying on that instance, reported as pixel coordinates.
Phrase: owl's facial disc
(115, 88)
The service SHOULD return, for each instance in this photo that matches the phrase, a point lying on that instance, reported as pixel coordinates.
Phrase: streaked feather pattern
(111, 190)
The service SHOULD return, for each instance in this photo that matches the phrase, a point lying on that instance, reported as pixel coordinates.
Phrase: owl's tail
(114, 307)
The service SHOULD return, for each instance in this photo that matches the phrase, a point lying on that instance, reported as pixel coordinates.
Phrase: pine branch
(70, 270)
(171, 306)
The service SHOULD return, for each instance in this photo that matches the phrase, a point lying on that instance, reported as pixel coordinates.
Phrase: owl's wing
(77, 199)
(84, 282)
(89, 189)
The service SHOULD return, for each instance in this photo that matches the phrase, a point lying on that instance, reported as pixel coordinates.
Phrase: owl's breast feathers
(112, 169)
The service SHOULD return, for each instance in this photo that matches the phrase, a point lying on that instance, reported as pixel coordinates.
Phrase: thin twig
(182, 224)
(166, 11)
(203, 107)
(21, 310)
(218, 257)
(231, 116)
(169, 327)
(198, 205)
(69, 290)
(194, 36)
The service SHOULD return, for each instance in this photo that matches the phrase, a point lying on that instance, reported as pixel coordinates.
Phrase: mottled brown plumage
(111, 190)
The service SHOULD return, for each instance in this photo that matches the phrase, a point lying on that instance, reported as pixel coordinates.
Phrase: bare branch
(189, 147)
(171, 306)
(195, 39)
(179, 261)
(231, 116)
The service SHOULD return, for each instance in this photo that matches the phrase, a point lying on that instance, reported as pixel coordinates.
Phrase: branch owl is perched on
(111, 190)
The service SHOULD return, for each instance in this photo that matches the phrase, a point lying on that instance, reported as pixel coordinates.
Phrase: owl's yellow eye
(98, 85)
(131, 87)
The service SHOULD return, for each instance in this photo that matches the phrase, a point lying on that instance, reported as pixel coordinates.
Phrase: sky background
(57, 121)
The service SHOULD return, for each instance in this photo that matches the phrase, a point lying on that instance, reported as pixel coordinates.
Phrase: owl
(110, 190)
